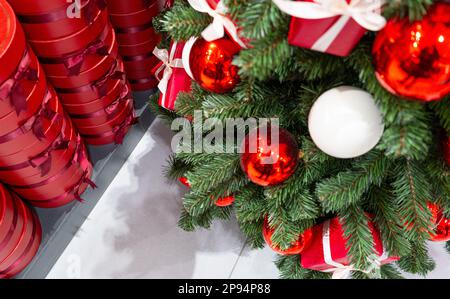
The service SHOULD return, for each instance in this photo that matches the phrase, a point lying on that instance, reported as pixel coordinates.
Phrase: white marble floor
(133, 233)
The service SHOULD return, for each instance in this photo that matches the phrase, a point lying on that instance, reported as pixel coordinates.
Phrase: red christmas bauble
(221, 202)
(211, 64)
(185, 182)
(441, 225)
(413, 59)
(296, 248)
(446, 150)
(265, 162)
(225, 201)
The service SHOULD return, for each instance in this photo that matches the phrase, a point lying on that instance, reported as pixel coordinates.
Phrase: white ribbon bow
(341, 271)
(365, 12)
(168, 64)
(220, 23)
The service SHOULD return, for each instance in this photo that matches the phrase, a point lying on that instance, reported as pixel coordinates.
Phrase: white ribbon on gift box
(367, 13)
(168, 64)
(220, 23)
(341, 271)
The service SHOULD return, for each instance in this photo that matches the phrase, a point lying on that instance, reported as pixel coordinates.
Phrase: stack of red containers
(42, 157)
(77, 47)
(20, 234)
(132, 21)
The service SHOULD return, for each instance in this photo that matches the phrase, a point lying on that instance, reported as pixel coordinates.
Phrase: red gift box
(138, 49)
(20, 235)
(17, 230)
(65, 188)
(331, 26)
(95, 72)
(33, 93)
(136, 35)
(15, 90)
(140, 65)
(43, 163)
(94, 91)
(116, 134)
(26, 250)
(327, 250)
(73, 64)
(104, 115)
(109, 125)
(172, 75)
(143, 84)
(129, 6)
(12, 42)
(135, 19)
(28, 143)
(32, 7)
(8, 220)
(26, 173)
(54, 24)
(72, 43)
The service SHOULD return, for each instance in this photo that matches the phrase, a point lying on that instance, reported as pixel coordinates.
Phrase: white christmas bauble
(345, 122)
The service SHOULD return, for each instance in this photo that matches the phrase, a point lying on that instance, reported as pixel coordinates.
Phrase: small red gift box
(20, 234)
(172, 75)
(327, 250)
(333, 27)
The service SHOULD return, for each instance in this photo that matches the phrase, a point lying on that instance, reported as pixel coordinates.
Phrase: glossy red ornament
(413, 59)
(296, 248)
(221, 202)
(441, 225)
(446, 150)
(225, 201)
(266, 163)
(185, 182)
(211, 64)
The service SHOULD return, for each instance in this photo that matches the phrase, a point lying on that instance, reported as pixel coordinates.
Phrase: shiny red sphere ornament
(221, 202)
(441, 225)
(225, 201)
(185, 182)
(412, 60)
(269, 156)
(296, 248)
(211, 64)
(446, 150)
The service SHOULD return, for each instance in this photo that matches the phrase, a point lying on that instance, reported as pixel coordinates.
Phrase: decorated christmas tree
(357, 97)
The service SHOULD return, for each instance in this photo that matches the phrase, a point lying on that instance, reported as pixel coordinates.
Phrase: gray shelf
(60, 225)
